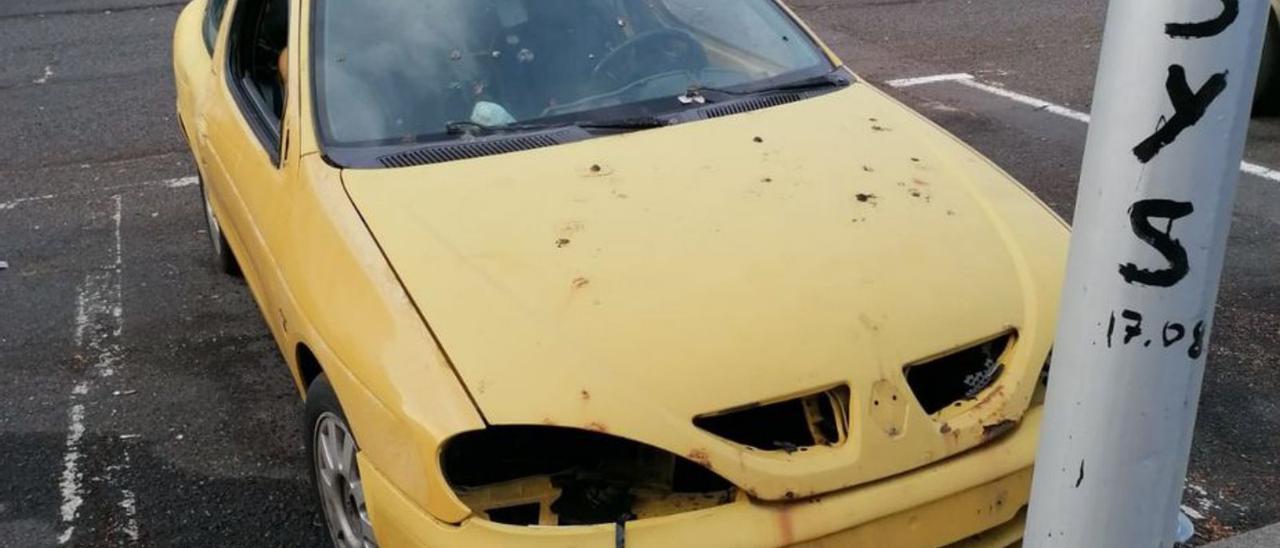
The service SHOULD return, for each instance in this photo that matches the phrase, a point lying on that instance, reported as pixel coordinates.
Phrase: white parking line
(44, 78)
(98, 326)
(913, 82)
(178, 182)
(129, 503)
(15, 203)
(1256, 170)
(70, 483)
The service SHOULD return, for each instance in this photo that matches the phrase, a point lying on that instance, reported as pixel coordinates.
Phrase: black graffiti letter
(1197, 341)
(1133, 331)
(1178, 332)
(1205, 29)
(1140, 216)
(1188, 108)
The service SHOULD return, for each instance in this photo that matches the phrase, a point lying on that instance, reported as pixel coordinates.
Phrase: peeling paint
(993, 431)
(700, 456)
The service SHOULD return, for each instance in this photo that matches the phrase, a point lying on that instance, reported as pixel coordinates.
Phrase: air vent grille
(439, 154)
(789, 425)
(740, 107)
(958, 377)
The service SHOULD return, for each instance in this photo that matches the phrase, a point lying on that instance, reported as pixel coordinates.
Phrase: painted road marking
(968, 80)
(179, 182)
(19, 201)
(70, 485)
(99, 325)
(44, 78)
(913, 82)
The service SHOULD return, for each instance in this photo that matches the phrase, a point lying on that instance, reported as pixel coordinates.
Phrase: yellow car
(620, 272)
(1268, 94)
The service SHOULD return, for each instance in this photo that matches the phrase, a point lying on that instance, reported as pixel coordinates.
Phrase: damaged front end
(552, 476)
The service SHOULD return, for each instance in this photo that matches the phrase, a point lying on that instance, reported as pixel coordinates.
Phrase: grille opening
(551, 476)
(789, 425)
(520, 514)
(749, 105)
(958, 377)
(450, 152)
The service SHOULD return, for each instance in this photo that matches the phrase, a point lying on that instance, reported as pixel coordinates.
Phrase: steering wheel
(652, 52)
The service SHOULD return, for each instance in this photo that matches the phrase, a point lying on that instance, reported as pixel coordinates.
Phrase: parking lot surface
(144, 402)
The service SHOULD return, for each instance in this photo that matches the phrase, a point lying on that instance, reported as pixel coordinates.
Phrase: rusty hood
(627, 284)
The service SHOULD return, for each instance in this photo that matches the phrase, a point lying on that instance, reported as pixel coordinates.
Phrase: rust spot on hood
(597, 170)
(993, 431)
(786, 531)
(700, 457)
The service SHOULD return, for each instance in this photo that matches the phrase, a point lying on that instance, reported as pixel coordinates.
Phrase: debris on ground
(4, 265)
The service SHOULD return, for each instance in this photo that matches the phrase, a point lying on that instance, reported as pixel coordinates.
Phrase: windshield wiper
(636, 122)
(836, 78)
(457, 128)
(461, 127)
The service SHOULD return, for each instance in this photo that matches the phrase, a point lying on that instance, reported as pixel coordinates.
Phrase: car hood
(627, 284)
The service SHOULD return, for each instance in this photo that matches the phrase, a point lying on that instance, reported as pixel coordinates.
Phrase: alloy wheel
(338, 480)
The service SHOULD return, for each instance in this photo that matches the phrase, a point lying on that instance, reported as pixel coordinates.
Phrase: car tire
(335, 474)
(223, 258)
(1267, 98)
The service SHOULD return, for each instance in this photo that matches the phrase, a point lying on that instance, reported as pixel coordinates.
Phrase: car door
(243, 124)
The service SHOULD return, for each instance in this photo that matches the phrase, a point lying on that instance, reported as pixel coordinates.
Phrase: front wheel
(334, 471)
(1267, 98)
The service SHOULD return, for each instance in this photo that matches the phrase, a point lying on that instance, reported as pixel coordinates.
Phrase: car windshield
(408, 70)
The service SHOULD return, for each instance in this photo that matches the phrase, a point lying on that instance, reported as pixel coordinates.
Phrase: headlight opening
(553, 476)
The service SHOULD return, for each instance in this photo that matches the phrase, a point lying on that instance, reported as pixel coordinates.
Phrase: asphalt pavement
(144, 403)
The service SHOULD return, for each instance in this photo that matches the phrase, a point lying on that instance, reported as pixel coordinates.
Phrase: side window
(212, 22)
(256, 72)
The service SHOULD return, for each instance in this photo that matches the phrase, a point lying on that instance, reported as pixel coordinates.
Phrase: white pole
(1170, 113)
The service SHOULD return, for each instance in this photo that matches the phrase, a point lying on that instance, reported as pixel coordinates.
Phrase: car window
(256, 41)
(212, 22)
(403, 70)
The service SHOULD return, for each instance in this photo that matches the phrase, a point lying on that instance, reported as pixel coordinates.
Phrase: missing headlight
(538, 475)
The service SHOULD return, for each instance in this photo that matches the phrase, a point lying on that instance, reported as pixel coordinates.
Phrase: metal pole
(1170, 113)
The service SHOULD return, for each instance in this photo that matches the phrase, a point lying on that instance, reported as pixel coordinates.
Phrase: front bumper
(975, 498)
